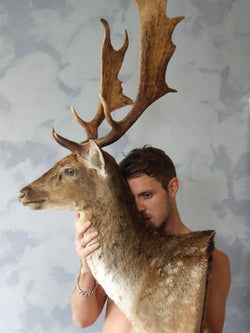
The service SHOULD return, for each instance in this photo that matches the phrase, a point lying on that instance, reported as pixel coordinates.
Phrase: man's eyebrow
(145, 192)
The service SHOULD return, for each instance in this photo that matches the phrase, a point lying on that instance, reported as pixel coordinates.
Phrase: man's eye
(147, 195)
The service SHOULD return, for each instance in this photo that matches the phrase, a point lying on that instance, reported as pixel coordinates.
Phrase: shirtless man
(152, 179)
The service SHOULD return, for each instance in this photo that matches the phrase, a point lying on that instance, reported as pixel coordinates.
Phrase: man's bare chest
(115, 321)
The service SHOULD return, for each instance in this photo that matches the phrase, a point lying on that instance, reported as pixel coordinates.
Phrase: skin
(160, 210)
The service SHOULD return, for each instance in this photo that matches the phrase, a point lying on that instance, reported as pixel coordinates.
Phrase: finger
(85, 252)
(91, 248)
(77, 217)
(85, 240)
(77, 220)
(80, 230)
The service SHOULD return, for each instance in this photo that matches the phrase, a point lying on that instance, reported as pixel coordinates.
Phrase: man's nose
(139, 205)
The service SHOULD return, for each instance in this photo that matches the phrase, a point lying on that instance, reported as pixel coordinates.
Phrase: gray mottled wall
(49, 60)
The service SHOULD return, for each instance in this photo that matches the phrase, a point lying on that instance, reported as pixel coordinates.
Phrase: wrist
(85, 293)
(85, 279)
(85, 271)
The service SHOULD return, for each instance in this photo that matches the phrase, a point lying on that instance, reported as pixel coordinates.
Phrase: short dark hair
(150, 161)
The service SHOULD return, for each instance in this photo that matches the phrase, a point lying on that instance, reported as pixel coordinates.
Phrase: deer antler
(157, 49)
(111, 88)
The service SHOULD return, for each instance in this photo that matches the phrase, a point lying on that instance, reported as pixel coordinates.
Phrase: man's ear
(94, 158)
(173, 187)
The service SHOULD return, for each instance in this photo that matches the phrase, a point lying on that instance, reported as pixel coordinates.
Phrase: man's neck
(174, 225)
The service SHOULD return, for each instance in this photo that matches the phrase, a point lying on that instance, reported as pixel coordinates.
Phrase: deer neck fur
(113, 213)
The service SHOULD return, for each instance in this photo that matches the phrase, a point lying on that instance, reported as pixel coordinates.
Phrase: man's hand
(82, 243)
(85, 310)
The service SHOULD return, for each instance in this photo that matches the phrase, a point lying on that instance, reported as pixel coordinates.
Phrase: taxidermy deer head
(157, 49)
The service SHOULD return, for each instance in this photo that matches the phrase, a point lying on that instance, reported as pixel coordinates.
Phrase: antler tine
(157, 49)
(112, 60)
(88, 126)
(111, 88)
(71, 145)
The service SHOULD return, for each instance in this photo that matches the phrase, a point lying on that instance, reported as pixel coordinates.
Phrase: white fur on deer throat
(116, 287)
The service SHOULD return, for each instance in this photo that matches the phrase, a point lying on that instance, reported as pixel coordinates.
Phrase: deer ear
(95, 158)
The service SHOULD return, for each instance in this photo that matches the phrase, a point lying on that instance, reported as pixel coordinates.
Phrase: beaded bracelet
(83, 293)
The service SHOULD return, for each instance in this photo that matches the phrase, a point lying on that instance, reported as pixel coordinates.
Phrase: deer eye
(70, 172)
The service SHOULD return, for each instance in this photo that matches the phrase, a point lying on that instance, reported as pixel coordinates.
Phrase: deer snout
(31, 199)
(24, 195)
(20, 196)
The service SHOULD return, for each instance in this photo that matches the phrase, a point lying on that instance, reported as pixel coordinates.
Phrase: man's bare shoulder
(220, 262)
(220, 271)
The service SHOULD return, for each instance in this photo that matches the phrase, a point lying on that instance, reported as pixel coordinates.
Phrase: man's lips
(147, 217)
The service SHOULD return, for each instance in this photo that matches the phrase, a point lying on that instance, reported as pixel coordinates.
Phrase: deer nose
(21, 195)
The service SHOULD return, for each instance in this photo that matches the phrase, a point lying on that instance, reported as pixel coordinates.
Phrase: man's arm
(218, 288)
(86, 309)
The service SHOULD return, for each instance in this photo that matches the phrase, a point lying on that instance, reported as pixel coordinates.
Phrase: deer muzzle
(26, 199)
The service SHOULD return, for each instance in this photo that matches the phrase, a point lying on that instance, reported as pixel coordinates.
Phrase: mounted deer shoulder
(147, 275)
